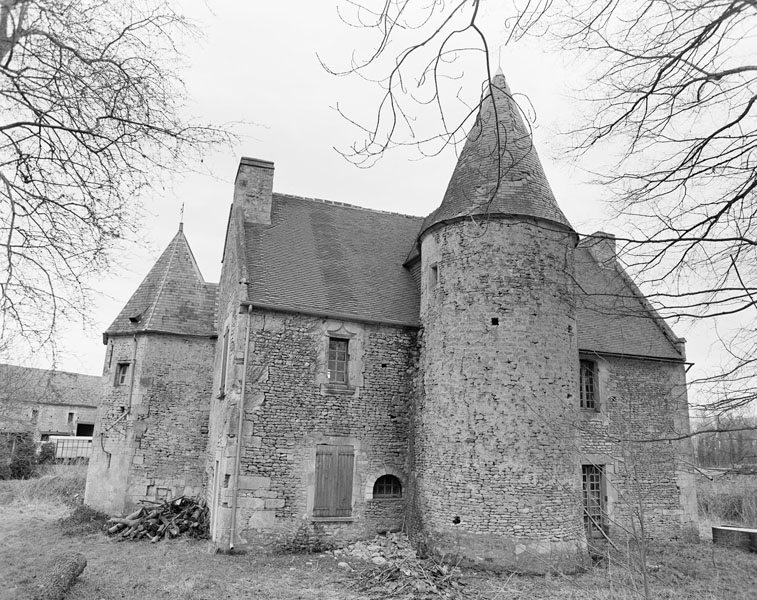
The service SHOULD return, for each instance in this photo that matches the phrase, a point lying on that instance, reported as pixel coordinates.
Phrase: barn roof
(25, 384)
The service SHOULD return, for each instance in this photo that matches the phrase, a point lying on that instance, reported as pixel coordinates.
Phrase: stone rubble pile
(397, 572)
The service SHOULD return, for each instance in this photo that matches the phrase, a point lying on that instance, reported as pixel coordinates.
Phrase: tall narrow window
(594, 500)
(338, 359)
(588, 385)
(433, 276)
(122, 373)
(224, 362)
(333, 481)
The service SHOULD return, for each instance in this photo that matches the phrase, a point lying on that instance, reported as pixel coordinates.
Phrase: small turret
(152, 420)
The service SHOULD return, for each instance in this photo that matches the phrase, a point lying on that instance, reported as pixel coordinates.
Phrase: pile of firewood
(167, 519)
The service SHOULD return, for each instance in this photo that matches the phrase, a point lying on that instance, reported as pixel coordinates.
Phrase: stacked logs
(167, 519)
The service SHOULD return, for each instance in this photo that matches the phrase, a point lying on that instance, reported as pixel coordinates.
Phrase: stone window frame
(374, 475)
(339, 476)
(311, 442)
(433, 276)
(337, 368)
(354, 333)
(122, 367)
(597, 526)
(390, 480)
(594, 404)
(225, 346)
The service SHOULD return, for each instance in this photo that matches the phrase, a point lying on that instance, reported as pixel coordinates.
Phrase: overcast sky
(257, 68)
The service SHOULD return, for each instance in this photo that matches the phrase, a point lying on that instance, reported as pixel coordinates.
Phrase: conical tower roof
(173, 298)
(498, 172)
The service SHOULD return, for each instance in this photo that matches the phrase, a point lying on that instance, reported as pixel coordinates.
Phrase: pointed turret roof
(498, 172)
(173, 298)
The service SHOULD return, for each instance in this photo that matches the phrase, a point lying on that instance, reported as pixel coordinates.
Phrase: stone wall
(150, 437)
(497, 475)
(633, 436)
(225, 395)
(291, 408)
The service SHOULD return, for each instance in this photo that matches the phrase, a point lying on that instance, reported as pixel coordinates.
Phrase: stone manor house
(481, 378)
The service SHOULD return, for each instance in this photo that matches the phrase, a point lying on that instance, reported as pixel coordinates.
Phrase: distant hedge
(19, 458)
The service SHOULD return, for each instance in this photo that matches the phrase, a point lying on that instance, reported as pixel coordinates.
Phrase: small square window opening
(338, 360)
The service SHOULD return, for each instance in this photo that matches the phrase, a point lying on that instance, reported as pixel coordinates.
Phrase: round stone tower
(497, 477)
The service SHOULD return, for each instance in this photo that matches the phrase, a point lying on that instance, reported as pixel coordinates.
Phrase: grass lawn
(33, 532)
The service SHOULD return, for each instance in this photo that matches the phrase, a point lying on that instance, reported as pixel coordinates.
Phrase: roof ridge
(52, 371)
(346, 205)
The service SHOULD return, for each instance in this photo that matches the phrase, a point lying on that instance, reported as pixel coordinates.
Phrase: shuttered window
(333, 481)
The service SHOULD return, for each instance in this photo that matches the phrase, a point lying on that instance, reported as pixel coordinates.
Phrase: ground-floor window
(334, 467)
(594, 500)
(387, 486)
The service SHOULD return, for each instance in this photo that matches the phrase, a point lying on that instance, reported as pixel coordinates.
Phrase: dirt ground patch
(32, 535)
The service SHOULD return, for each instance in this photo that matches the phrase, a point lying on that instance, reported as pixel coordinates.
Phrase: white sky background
(257, 65)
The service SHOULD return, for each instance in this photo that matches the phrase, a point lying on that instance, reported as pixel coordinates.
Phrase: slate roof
(25, 384)
(611, 315)
(172, 298)
(498, 171)
(333, 259)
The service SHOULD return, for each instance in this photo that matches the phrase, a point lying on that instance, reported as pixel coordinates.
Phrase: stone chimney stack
(602, 247)
(253, 188)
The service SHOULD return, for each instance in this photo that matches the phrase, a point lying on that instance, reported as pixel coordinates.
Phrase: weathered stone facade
(633, 436)
(356, 371)
(151, 432)
(496, 472)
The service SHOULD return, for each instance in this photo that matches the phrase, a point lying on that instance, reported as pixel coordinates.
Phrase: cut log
(170, 519)
(61, 577)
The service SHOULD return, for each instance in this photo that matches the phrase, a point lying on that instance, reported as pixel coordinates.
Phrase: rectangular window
(85, 429)
(338, 359)
(122, 373)
(594, 500)
(70, 418)
(433, 276)
(224, 361)
(588, 385)
(333, 481)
